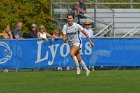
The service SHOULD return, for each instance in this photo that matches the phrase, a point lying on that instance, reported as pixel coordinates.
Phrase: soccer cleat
(87, 72)
(78, 71)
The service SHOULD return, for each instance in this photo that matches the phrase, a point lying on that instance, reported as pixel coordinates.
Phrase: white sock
(83, 65)
(76, 61)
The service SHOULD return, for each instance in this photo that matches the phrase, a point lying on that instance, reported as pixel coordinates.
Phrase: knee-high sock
(76, 61)
(83, 65)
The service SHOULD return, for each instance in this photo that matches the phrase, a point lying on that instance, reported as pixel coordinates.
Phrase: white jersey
(73, 33)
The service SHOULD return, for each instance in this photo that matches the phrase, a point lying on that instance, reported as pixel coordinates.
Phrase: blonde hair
(43, 27)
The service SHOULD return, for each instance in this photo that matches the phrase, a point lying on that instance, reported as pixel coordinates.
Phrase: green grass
(105, 81)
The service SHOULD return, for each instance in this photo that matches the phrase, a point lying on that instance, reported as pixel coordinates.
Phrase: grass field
(102, 81)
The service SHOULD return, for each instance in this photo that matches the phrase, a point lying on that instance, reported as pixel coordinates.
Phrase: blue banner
(38, 53)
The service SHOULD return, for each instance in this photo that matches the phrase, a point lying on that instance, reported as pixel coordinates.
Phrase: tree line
(27, 11)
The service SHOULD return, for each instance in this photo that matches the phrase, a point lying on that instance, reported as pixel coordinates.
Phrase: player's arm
(64, 33)
(64, 37)
(83, 31)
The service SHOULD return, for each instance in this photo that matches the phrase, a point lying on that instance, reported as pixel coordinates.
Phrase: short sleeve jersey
(73, 33)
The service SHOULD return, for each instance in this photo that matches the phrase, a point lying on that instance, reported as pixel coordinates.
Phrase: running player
(71, 32)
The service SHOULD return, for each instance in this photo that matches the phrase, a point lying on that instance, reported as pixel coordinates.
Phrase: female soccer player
(71, 31)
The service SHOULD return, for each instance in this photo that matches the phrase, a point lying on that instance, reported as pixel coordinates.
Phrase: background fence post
(95, 7)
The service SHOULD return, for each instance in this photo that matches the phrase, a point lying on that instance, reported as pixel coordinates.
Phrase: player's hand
(64, 40)
(92, 43)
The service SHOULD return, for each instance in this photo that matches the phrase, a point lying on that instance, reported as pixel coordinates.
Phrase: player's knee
(79, 59)
(71, 54)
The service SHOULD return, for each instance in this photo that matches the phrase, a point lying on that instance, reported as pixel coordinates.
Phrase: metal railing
(112, 23)
(132, 31)
(96, 5)
(105, 30)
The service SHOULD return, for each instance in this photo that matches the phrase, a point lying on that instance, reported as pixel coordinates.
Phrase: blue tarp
(37, 53)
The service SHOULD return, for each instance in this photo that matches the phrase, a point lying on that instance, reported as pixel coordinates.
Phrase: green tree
(27, 11)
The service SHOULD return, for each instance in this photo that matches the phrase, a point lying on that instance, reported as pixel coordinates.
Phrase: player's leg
(82, 63)
(73, 51)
